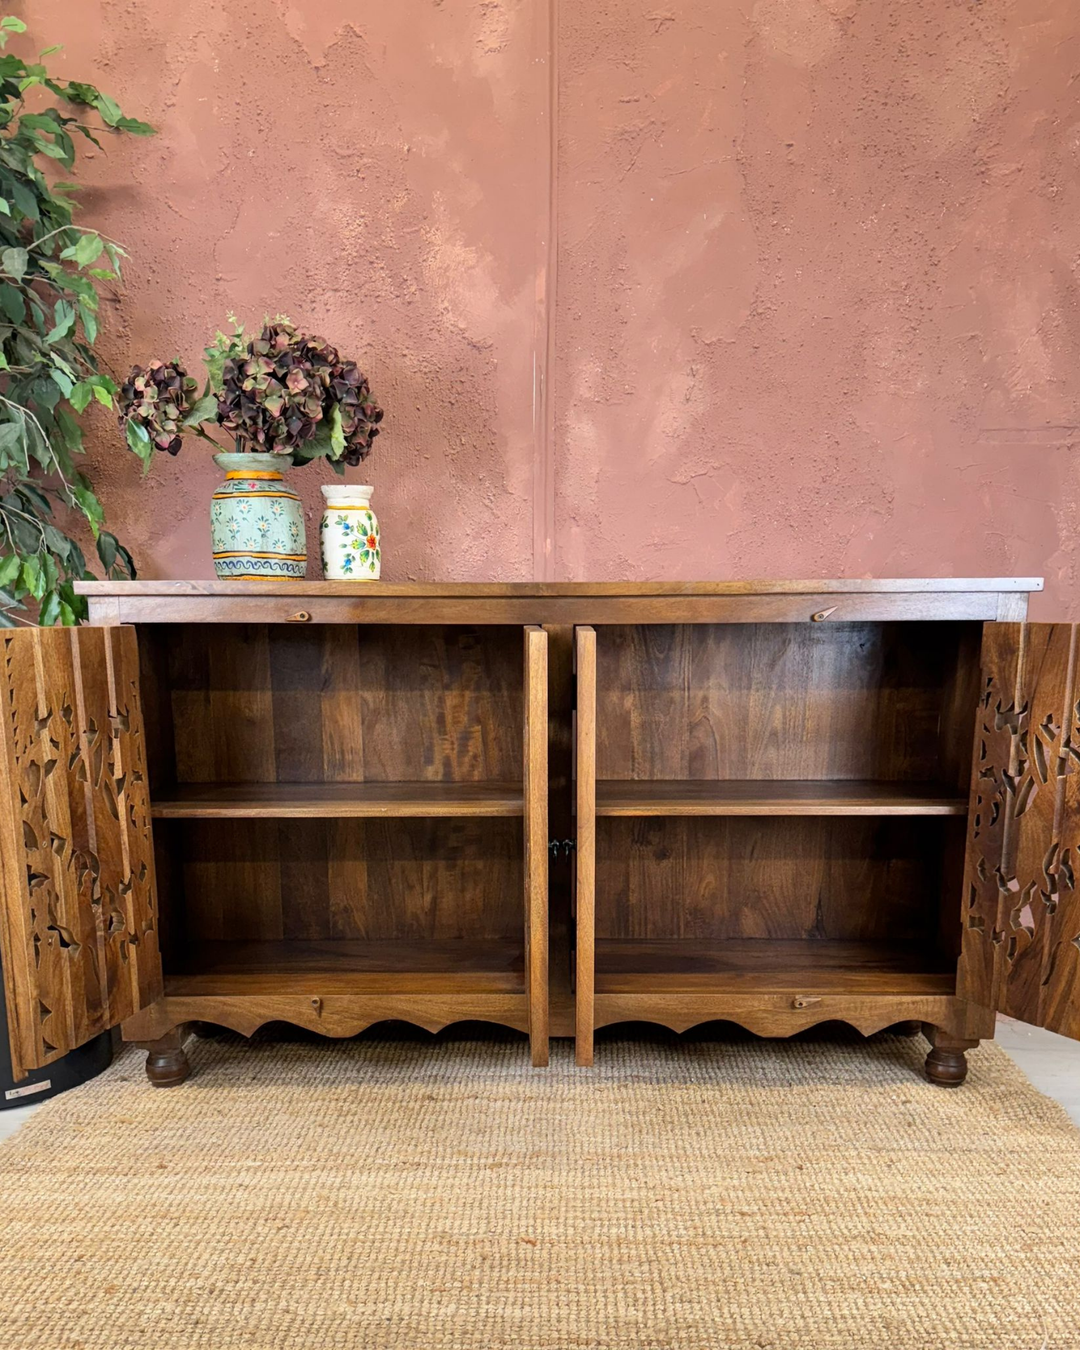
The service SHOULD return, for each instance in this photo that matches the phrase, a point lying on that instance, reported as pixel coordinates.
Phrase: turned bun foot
(946, 1064)
(947, 1068)
(907, 1029)
(166, 1063)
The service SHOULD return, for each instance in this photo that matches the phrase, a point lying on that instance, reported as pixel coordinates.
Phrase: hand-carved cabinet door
(78, 921)
(1021, 908)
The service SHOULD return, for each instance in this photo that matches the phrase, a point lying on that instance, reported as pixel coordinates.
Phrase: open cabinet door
(585, 843)
(78, 912)
(1021, 937)
(536, 840)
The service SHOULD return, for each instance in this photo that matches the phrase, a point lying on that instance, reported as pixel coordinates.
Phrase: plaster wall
(702, 288)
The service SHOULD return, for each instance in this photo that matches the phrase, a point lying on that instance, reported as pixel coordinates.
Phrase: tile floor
(1051, 1062)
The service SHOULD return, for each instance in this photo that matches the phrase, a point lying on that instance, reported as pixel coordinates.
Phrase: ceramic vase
(256, 522)
(349, 534)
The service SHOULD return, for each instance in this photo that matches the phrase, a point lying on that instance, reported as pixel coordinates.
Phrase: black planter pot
(78, 1066)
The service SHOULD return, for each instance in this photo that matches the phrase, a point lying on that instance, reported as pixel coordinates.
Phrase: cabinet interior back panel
(333, 703)
(421, 879)
(807, 701)
(806, 877)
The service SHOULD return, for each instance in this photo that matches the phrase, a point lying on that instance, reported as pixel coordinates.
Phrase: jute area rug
(409, 1195)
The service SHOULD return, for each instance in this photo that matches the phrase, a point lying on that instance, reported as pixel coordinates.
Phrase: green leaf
(57, 542)
(45, 392)
(48, 148)
(109, 109)
(91, 507)
(50, 610)
(15, 261)
(94, 386)
(13, 446)
(68, 616)
(138, 439)
(317, 447)
(69, 431)
(106, 547)
(11, 302)
(34, 499)
(47, 121)
(80, 396)
(87, 250)
(83, 131)
(337, 436)
(49, 571)
(25, 200)
(9, 568)
(134, 127)
(125, 564)
(63, 321)
(33, 578)
(9, 24)
(76, 563)
(89, 322)
(203, 411)
(75, 91)
(114, 253)
(25, 534)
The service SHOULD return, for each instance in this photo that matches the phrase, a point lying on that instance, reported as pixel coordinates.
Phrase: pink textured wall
(704, 288)
(370, 170)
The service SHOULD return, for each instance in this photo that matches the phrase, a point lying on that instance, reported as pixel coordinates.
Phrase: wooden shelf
(495, 966)
(202, 801)
(780, 797)
(686, 965)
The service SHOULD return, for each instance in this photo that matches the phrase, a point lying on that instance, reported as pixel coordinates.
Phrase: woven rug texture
(412, 1195)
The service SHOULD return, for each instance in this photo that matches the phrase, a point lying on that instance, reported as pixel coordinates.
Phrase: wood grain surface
(775, 797)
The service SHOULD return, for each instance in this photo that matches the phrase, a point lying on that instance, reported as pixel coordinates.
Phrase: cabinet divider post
(585, 862)
(536, 842)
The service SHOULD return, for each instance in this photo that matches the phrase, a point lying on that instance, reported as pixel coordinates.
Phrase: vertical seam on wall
(544, 330)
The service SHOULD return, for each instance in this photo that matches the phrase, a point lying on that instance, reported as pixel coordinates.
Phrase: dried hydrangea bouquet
(285, 398)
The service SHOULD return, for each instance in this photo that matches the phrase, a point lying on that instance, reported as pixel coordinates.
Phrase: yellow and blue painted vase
(256, 522)
(349, 534)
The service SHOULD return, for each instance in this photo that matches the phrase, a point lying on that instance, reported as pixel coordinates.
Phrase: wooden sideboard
(550, 806)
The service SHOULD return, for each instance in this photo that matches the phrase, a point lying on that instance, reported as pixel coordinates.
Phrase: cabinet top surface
(526, 589)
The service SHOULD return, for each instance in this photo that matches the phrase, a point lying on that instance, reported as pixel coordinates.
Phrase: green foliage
(224, 347)
(50, 274)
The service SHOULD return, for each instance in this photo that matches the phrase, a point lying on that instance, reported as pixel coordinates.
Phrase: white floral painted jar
(349, 534)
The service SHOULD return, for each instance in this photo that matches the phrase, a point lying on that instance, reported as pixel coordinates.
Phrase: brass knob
(301, 616)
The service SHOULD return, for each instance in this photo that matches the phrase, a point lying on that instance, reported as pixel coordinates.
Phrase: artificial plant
(283, 392)
(50, 274)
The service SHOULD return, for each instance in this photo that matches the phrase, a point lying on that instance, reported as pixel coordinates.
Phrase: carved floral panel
(79, 919)
(1021, 950)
